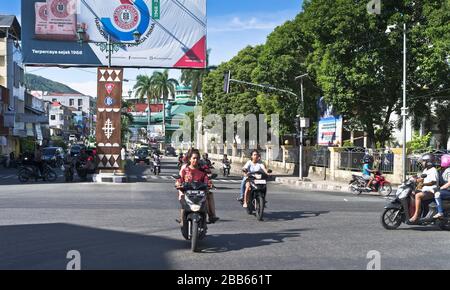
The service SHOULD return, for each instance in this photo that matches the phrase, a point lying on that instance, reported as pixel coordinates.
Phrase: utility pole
(302, 125)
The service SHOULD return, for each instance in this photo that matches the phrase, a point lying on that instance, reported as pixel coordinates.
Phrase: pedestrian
(123, 156)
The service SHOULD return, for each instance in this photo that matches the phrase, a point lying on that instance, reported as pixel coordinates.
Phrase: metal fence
(351, 159)
(319, 157)
(413, 165)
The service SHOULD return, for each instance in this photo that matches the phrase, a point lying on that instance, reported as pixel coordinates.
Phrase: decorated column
(109, 104)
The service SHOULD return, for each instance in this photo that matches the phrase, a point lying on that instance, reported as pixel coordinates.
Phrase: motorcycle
(156, 166)
(226, 169)
(195, 212)
(399, 209)
(69, 171)
(358, 185)
(257, 195)
(85, 167)
(28, 171)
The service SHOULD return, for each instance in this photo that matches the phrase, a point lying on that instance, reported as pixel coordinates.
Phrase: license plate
(262, 181)
(195, 192)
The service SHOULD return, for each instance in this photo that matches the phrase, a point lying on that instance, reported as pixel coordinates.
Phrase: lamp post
(110, 47)
(404, 107)
(301, 125)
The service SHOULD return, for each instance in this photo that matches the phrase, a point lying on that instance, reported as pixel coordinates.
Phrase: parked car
(76, 149)
(53, 156)
(142, 155)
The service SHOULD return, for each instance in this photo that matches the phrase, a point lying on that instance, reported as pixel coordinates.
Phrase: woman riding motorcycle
(253, 165)
(444, 191)
(193, 173)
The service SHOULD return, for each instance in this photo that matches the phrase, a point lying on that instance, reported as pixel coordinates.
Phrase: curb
(317, 187)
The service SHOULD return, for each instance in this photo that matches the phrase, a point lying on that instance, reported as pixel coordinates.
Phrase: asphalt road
(132, 226)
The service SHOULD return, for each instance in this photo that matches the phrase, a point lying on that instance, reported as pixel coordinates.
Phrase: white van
(72, 138)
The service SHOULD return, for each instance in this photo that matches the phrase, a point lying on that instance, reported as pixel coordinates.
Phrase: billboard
(329, 131)
(172, 33)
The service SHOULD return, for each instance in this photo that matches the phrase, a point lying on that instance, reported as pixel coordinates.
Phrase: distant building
(60, 119)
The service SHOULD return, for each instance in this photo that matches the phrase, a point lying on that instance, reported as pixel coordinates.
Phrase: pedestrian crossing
(155, 178)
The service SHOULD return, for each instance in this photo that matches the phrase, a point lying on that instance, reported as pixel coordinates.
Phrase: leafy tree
(164, 86)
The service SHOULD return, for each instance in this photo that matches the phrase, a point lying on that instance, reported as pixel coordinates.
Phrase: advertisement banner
(172, 34)
(330, 127)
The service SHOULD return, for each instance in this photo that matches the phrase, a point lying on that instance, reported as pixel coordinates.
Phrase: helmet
(445, 160)
(367, 158)
(429, 159)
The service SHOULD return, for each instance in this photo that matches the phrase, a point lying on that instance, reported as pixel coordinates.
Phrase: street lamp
(404, 108)
(110, 47)
(301, 125)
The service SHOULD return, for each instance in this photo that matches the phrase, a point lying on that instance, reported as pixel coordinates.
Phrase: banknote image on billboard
(172, 33)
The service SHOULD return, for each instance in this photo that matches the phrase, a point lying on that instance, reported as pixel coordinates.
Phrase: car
(142, 155)
(170, 151)
(72, 138)
(53, 155)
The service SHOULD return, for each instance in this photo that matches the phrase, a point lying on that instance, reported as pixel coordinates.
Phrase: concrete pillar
(398, 168)
(334, 161)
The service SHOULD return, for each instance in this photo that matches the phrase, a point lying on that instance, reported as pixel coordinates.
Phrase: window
(80, 108)
(71, 102)
(80, 102)
(53, 117)
(61, 117)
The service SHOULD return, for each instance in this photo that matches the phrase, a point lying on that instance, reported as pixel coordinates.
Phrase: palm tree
(126, 119)
(145, 89)
(164, 86)
(194, 77)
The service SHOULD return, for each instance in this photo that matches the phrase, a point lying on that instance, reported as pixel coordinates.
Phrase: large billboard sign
(172, 34)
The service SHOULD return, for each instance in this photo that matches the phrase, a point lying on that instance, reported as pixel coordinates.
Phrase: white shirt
(252, 167)
(432, 175)
(123, 154)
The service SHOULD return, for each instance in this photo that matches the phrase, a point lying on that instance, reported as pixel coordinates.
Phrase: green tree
(194, 77)
(126, 120)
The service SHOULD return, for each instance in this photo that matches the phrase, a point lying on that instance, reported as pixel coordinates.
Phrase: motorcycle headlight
(192, 205)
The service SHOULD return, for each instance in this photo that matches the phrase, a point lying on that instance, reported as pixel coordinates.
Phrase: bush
(420, 143)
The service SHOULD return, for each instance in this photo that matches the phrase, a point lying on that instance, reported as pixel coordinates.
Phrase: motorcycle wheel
(444, 225)
(23, 176)
(385, 189)
(354, 188)
(259, 208)
(51, 176)
(388, 221)
(194, 237)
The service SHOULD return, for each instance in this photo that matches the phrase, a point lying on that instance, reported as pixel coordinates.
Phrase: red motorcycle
(358, 185)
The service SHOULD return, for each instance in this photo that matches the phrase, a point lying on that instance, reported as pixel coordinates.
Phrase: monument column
(109, 104)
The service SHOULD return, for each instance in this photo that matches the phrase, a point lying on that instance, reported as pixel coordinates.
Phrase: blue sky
(232, 25)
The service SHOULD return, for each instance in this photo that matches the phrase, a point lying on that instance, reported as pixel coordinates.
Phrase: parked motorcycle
(358, 185)
(400, 209)
(257, 195)
(28, 171)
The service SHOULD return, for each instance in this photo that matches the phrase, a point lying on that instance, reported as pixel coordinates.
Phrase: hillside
(38, 83)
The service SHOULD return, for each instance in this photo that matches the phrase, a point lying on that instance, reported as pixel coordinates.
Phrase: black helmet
(428, 159)
(367, 159)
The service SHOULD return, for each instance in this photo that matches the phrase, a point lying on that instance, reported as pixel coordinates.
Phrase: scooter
(156, 166)
(226, 169)
(257, 195)
(358, 185)
(399, 209)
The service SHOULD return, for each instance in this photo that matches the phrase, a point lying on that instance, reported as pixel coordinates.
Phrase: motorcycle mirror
(269, 171)
(214, 176)
(423, 176)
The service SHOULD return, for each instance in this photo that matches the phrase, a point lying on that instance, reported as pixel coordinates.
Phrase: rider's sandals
(438, 216)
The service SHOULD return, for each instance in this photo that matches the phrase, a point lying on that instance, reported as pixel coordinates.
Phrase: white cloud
(88, 87)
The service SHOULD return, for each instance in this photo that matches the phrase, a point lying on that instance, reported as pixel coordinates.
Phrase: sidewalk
(322, 185)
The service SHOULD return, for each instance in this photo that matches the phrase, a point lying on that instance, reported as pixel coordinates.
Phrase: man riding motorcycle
(430, 184)
(367, 170)
(444, 191)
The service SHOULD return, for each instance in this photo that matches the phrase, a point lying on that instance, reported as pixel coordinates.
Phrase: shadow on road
(291, 215)
(241, 241)
(45, 246)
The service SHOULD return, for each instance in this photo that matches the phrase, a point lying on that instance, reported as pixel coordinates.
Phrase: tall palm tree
(145, 89)
(164, 86)
(194, 77)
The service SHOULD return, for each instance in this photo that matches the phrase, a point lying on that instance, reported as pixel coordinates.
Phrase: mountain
(38, 83)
